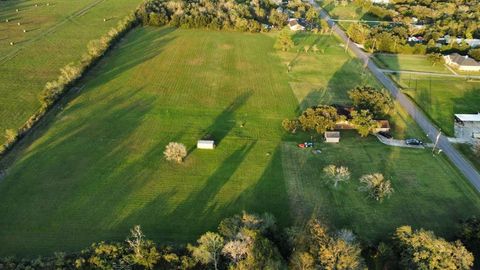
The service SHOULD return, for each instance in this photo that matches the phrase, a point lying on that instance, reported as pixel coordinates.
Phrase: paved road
(457, 159)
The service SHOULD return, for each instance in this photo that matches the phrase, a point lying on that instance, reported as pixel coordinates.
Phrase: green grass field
(441, 98)
(96, 168)
(55, 35)
(408, 62)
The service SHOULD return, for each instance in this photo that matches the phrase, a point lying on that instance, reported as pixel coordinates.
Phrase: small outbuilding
(383, 126)
(295, 25)
(206, 144)
(332, 136)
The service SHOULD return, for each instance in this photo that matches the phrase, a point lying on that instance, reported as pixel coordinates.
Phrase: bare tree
(175, 152)
(209, 249)
(143, 251)
(336, 174)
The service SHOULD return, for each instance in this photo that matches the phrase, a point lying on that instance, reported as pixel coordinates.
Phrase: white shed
(332, 137)
(205, 144)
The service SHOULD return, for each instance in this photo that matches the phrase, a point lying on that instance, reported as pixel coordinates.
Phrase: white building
(383, 2)
(467, 126)
(205, 144)
(295, 26)
(461, 62)
(332, 136)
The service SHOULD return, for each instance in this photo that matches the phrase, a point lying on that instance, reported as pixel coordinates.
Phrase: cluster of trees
(429, 19)
(250, 241)
(69, 75)
(250, 15)
(375, 185)
(369, 103)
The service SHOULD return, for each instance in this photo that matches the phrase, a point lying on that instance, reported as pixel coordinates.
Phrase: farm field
(408, 62)
(55, 35)
(96, 168)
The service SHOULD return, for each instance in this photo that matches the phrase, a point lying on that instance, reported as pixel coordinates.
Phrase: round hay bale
(48, 4)
(19, 24)
(24, 30)
(104, 19)
(6, 20)
(16, 10)
(12, 43)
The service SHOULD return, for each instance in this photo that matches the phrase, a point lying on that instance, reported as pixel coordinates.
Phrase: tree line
(250, 15)
(431, 20)
(368, 103)
(251, 241)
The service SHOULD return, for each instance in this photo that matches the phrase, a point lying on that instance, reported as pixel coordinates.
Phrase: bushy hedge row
(223, 14)
(69, 75)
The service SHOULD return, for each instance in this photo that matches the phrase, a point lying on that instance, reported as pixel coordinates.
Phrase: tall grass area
(96, 167)
(55, 35)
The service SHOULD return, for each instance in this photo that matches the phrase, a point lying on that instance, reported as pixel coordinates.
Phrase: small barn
(206, 144)
(332, 136)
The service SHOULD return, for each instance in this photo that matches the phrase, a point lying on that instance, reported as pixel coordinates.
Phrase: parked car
(385, 134)
(413, 142)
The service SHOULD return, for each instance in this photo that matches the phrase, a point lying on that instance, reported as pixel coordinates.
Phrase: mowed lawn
(441, 98)
(408, 62)
(97, 168)
(55, 35)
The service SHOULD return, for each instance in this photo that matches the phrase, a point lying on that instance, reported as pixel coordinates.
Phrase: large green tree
(378, 102)
(423, 250)
(319, 119)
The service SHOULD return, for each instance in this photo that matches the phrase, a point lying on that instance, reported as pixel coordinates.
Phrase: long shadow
(92, 81)
(225, 121)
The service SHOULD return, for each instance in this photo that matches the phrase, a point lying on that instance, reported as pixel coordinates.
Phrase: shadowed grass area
(55, 35)
(97, 167)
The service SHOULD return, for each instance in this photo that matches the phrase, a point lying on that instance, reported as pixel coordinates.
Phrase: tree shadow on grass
(139, 51)
(225, 121)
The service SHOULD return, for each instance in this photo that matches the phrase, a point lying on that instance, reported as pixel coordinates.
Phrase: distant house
(205, 144)
(295, 25)
(332, 136)
(414, 39)
(467, 126)
(383, 2)
(472, 42)
(461, 62)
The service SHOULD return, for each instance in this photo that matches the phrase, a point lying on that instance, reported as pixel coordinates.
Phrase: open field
(408, 62)
(348, 12)
(96, 168)
(441, 97)
(55, 35)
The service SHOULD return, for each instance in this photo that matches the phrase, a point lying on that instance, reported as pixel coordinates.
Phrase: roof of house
(463, 60)
(383, 123)
(468, 117)
(332, 134)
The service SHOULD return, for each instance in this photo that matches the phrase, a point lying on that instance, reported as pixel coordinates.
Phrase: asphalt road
(432, 132)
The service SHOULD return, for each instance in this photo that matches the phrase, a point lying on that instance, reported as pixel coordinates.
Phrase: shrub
(290, 125)
(377, 186)
(175, 152)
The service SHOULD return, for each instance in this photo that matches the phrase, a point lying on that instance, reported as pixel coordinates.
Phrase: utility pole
(348, 44)
(436, 142)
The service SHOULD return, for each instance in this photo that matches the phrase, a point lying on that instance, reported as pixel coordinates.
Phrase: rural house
(295, 25)
(461, 62)
(467, 126)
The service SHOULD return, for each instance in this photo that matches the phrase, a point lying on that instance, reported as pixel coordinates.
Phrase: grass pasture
(441, 97)
(55, 35)
(96, 168)
(408, 62)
